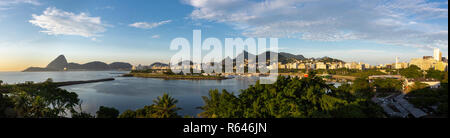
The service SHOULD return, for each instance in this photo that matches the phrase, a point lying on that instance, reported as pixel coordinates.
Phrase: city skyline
(140, 32)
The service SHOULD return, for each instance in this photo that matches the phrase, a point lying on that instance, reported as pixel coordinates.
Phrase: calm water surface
(131, 93)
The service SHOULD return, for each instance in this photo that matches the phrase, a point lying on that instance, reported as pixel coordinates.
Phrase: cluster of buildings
(323, 65)
(436, 62)
(154, 66)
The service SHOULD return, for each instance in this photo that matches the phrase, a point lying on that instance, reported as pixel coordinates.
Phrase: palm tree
(165, 107)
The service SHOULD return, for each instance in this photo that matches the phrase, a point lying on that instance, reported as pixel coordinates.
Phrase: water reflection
(133, 93)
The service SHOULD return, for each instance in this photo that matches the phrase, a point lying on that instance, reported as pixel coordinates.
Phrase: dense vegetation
(430, 99)
(37, 100)
(412, 71)
(438, 75)
(291, 98)
(46, 100)
(387, 86)
(107, 112)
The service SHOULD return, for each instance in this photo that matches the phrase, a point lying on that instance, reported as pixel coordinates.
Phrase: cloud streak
(146, 25)
(393, 22)
(13, 2)
(8, 4)
(57, 22)
(156, 36)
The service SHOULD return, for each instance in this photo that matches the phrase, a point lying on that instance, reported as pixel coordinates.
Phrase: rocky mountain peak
(58, 64)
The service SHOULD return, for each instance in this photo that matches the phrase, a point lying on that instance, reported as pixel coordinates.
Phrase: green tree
(417, 86)
(107, 112)
(412, 71)
(163, 107)
(220, 103)
(289, 98)
(6, 107)
(428, 97)
(362, 88)
(39, 100)
(128, 114)
(388, 85)
(435, 74)
(445, 78)
(82, 115)
(166, 107)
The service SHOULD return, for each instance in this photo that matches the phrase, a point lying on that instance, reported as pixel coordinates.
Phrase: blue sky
(33, 32)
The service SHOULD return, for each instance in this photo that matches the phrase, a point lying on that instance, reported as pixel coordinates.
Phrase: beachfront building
(351, 65)
(281, 66)
(333, 66)
(401, 65)
(381, 66)
(321, 65)
(312, 66)
(302, 66)
(291, 65)
(362, 66)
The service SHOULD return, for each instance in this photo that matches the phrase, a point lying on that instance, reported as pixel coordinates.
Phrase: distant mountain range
(283, 57)
(61, 64)
(159, 65)
(287, 57)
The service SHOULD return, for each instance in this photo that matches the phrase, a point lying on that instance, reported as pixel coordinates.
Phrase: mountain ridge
(283, 57)
(61, 64)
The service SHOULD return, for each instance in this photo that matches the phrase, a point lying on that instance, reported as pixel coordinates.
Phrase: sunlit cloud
(58, 22)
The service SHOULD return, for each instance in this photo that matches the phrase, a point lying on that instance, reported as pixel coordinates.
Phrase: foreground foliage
(37, 100)
(162, 107)
(431, 99)
(290, 98)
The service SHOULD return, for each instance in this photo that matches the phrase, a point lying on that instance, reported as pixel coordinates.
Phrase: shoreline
(76, 71)
(173, 77)
(68, 83)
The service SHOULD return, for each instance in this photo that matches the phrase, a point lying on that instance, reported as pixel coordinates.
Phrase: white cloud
(145, 25)
(57, 22)
(156, 36)
(399, 22)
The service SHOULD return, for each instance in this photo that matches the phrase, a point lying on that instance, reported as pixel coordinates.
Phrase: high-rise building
(437, 55)
(396, 63)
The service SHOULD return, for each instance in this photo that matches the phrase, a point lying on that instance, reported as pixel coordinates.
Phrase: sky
(34, 32)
